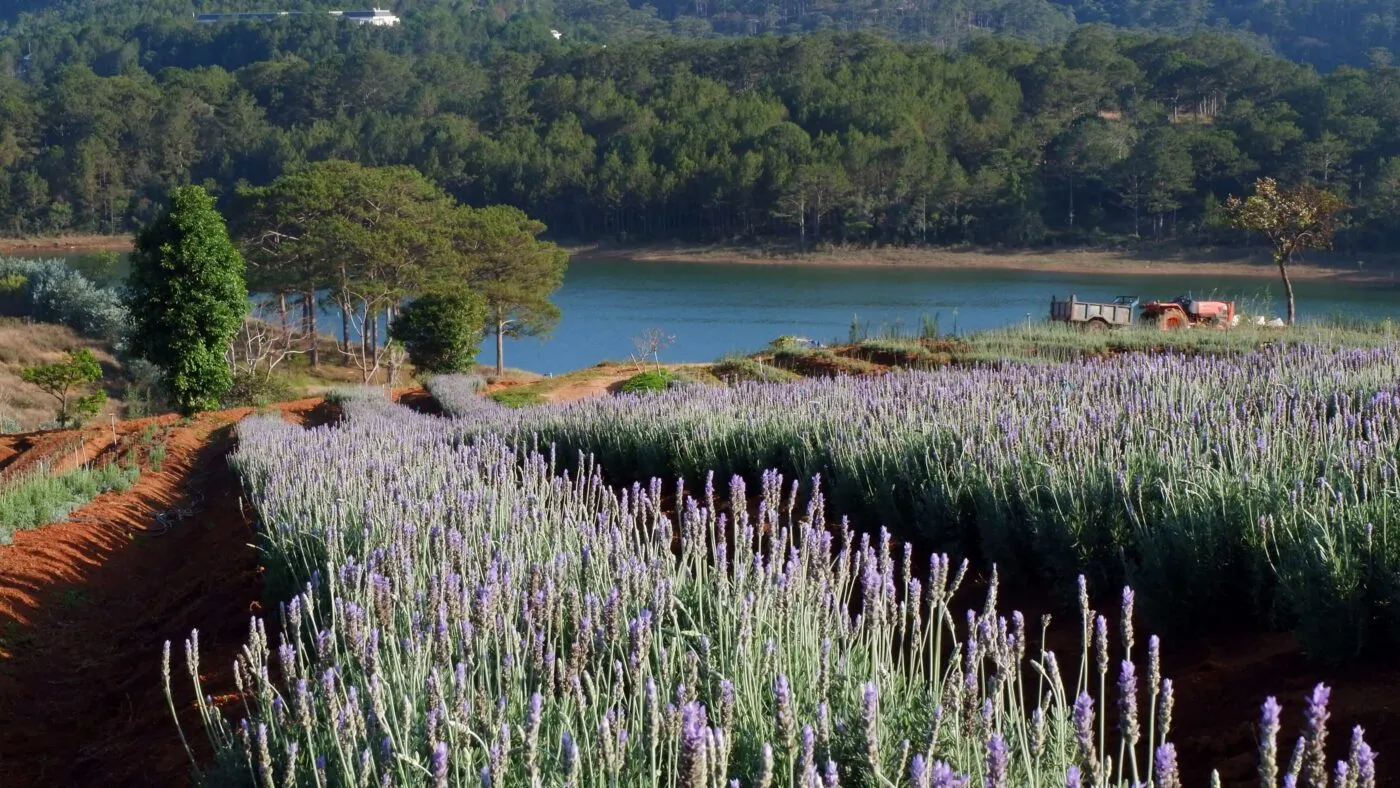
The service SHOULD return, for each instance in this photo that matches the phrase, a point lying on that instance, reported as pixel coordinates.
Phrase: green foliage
(516, 398)
(739, 369)
(40, 499)
(66, 381)
(52, 292)
(100, 268)
(257, 390)
(442, 331)
(651, 380)
(187, 298)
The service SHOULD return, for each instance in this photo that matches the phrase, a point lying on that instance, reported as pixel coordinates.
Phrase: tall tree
(187, 299)
(368, 235)
(513, 270)
(1302, 217)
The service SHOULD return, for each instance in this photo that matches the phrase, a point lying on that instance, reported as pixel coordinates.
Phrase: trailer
(1094, 314)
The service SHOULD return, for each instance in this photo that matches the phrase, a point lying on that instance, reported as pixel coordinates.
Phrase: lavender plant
(1257, 485)
(471, 614)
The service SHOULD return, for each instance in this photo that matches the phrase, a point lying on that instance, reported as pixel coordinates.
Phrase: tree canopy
(826, 138)
(1292, 219)
(187, 298)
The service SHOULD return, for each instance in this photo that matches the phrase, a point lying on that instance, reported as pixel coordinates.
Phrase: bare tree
(261, 345)
(649, 345)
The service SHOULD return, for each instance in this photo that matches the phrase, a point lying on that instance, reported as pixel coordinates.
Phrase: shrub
(648, 382)
(741, 370)
(257, 390)
(50, 291)
(514, 398)
(42, 499)
(442, 331)
(65, 381)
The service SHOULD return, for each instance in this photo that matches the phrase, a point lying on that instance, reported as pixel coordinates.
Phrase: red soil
(86, 605)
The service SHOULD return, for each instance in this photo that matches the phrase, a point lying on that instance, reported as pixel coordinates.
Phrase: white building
(377, 17)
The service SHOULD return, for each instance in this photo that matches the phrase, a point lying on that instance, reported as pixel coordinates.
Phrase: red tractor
(1186, 311)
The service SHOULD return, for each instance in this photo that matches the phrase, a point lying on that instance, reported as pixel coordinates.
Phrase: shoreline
(1380, 269)
(1230, 263)
(66, 244)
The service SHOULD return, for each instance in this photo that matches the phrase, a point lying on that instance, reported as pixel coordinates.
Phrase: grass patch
(738, 369)
(40, 498)
(516, 398)
(647, 382)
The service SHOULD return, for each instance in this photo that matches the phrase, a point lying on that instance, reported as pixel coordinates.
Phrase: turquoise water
(715, 309)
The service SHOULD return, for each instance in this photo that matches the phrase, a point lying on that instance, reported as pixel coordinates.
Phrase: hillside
(25, 407)
(1324, 34)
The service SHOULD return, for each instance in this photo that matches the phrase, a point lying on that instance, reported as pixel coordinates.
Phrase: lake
(713, 309)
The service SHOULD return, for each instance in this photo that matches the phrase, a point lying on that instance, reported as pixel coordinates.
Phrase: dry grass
(1145, 260)
(65, 243)
(25, 344)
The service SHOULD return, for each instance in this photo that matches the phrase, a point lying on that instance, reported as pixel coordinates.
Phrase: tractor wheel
(1097, 324)
(1172, 321)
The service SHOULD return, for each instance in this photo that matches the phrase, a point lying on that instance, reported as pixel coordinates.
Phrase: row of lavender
(1258, 486)
(472, 616)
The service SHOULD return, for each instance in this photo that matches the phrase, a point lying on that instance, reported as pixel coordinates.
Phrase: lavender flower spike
(1315, 732)
(998, 763)
(1268, 742)
(1166, 768)
(440, 765)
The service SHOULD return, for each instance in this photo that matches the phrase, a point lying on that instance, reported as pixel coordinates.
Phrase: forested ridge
(830, 137)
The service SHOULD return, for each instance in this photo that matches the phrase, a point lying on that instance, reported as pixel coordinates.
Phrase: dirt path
(86, 605)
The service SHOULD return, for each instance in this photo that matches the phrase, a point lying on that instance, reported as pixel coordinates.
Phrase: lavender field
(1257, 487)
(465, 612)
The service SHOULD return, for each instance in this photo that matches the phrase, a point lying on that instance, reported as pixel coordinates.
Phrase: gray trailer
(1094, 314)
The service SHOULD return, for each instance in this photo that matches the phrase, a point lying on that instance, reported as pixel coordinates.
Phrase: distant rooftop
(378, 17)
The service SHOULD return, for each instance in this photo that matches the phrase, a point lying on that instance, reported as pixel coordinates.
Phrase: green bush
(254, 390)
(42, 499)
(66, 381)
(740, 369)
(518, 399)
(442, 331)
(50, 291)
(648, 382)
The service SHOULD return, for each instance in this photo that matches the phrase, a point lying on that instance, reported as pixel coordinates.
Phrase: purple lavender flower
(832, 778)
(765, 774)
(694, 746)
(1127, 623)
(1101, 644)
(1164, 765)
(1268, 741)
(870, 716)
(998, 761)
(1315, 732)
(919, 775)
(808, 763)
(1127, 704)
(1072, 778)
(784, 713)
(1084, 736)
(440, 765)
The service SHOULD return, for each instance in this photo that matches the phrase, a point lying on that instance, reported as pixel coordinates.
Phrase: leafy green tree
(1302, 217)
(66, 381)
(187, 298)
(369, 235)
(442, 331)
